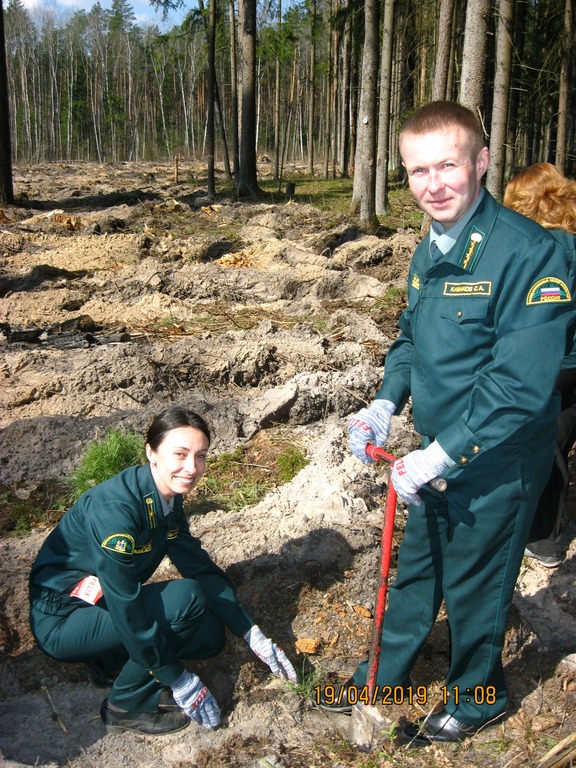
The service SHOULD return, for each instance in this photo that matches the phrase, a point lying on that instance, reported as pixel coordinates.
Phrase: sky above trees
(143, 11)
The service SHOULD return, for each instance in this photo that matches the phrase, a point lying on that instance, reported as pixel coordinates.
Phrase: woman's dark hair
(174, 417)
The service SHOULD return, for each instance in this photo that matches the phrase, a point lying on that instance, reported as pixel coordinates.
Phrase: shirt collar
(167, 506)
(444, 238)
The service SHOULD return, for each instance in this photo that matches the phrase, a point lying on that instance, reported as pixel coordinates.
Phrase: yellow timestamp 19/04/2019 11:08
(398, 694)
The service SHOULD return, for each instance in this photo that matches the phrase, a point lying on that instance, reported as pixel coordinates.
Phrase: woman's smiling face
(179, 461)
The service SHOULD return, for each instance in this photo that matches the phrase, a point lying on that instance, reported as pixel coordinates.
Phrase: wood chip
(307, 645)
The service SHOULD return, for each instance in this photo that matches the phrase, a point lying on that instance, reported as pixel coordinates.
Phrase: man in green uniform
(90, 600)
(479, 350)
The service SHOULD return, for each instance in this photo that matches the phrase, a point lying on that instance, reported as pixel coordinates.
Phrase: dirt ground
(122, 290)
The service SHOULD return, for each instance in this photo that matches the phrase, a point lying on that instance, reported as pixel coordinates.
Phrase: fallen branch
(561, 755)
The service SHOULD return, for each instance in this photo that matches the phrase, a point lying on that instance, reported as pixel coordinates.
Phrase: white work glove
(415, 469)
(370, 425)
(195, 699)
(270, 654)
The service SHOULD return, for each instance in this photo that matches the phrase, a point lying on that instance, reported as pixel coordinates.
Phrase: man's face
(443, 176)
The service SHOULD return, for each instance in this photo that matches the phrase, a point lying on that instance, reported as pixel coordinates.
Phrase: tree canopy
(98, 86)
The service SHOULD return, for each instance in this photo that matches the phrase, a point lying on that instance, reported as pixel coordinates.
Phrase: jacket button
(463, 460)
(476, 448)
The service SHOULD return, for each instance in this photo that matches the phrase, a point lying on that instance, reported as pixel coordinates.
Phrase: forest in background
(332, 81)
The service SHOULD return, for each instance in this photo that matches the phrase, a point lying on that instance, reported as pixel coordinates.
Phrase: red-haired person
(543, 194)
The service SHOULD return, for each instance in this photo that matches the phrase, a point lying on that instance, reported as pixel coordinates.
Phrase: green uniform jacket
(117, 531)
(568, 242)
(484, 335)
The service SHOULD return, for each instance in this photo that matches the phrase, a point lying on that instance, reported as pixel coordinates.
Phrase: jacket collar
(469, 246)
(151, 498)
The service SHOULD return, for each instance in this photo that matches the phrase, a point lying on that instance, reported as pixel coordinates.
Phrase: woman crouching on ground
(90, 602)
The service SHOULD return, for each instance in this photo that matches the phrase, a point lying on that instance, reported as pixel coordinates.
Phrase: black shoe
(98, 675)
(151, 723)
(439, 727)
(333, 699)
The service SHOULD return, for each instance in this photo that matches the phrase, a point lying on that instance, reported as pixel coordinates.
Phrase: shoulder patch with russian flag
(548, 289)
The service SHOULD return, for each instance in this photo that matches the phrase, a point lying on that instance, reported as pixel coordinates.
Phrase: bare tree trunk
(474, 57)
(215, 100)
(311, 88)
(345, 97)
(289, 115)
(499, 122)
(520, 15)
(382, 203)
(396, 102)
(234, 94)
(211, 181)
(364, 193)
(563, 97)
(277, 94)
(328, 136)
(443, 49)
(6, 185)
(335, 90)
(248, 178)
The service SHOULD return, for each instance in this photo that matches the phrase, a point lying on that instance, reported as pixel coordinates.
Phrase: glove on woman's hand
(195, 699)
(270, 654)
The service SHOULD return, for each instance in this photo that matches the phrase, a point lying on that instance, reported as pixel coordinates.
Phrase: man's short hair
(438, 116)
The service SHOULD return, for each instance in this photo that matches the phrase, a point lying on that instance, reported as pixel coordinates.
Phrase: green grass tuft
(290, 462)
(103, 459)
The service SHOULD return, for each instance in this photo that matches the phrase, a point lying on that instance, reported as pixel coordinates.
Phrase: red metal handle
(379, 454)
(380, 607)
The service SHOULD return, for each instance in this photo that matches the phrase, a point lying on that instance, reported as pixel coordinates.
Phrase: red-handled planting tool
(367, 721)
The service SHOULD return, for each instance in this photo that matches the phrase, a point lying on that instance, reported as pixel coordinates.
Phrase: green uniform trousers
(464, 547)
(88, 633)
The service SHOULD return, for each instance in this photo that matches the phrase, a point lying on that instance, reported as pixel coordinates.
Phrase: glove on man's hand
(418, 467)
(270, 654)
(195, 699)
(370, 425)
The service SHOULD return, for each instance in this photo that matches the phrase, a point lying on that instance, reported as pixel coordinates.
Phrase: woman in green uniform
(91, 601)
